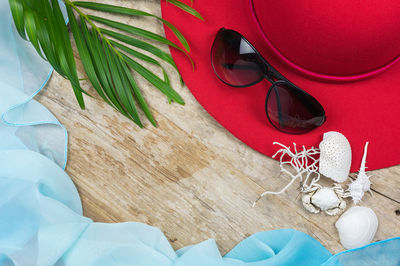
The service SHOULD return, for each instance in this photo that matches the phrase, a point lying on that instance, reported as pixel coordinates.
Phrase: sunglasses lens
(234, 60)
(292, 110)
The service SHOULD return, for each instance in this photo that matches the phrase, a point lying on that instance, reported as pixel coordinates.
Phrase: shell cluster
(357, 227)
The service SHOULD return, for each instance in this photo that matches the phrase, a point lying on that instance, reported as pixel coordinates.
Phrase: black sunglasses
(237, 63)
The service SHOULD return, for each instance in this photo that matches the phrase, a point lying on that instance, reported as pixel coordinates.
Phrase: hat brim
(363, 110)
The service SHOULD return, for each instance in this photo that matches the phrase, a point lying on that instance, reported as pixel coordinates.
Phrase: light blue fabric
(24, 123)
(386, 252)
(41, 223)
(41, 220)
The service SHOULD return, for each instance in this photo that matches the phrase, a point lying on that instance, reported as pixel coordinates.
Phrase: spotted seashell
(335, 157)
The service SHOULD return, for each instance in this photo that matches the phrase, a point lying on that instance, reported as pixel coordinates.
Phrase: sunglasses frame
(270, 74)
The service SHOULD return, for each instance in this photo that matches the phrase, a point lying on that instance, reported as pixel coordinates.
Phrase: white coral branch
(303, 162)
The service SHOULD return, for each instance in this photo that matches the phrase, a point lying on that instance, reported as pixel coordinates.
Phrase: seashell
(335, 157)
(356, 191)
(362, 184)
(357, 227)
(325, 199)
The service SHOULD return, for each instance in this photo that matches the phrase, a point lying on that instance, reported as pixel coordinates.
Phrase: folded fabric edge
(334, 257)
(36, 123)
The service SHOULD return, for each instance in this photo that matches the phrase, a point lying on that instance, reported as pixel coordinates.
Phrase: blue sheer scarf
(41, 221)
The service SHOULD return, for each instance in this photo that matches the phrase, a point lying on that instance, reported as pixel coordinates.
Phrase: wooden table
(190, 177)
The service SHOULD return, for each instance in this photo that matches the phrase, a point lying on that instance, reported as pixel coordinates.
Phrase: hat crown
(333, 37)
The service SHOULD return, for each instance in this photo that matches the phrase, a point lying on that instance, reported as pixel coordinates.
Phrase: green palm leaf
(136, 31)
(141, 45)
(186, 8)
(108, 63)
(47, 31)
(134, 12)
(17, 11)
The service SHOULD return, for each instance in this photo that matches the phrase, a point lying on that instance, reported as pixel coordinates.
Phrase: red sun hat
(343, 53)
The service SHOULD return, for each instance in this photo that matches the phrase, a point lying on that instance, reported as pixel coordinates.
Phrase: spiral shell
(357, 227)
(362, 184)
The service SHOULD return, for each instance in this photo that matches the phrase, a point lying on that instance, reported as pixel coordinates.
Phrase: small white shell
(356, 191)
(325, 199)
(357, 227)
(335, 158)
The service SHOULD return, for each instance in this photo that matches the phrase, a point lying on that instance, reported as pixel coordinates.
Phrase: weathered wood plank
(189, 177)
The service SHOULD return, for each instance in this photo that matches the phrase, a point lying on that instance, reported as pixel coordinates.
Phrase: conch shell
(335, 156)
(362, 184)
(357, 227)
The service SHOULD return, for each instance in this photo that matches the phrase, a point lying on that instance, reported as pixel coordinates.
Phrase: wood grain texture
(189, 177)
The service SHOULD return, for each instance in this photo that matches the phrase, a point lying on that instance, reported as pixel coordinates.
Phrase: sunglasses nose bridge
(270, 79)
